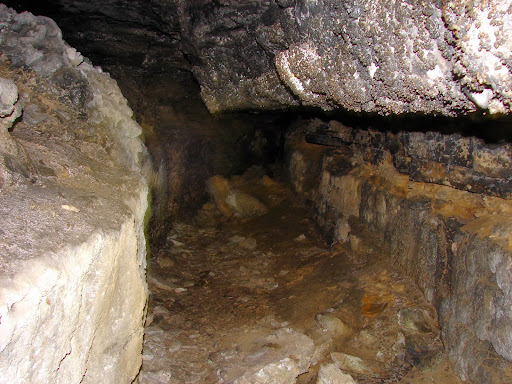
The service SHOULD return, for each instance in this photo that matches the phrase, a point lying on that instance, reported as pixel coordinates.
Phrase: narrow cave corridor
(250, 292)
(294, 220)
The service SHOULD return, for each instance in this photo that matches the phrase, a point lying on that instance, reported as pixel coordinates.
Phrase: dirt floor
(251, 293)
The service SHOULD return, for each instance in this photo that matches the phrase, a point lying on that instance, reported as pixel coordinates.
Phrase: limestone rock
(278, 359)
(352, 364)
(341, 230)
(8, 98)
(452, 242)
(245, 205)
(14, 165)
(386, 57)
(231, 201)
(331, 374)
(72, 246)
(466, 163)
(336, 327)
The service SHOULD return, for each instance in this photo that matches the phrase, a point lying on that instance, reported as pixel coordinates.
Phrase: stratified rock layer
(72, 248)
(456, 244)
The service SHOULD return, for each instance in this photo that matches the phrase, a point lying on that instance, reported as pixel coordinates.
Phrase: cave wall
(188, 145)
(454, 242)
(73, 185)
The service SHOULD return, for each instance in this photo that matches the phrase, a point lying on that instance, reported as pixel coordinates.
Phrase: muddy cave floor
(265, 299)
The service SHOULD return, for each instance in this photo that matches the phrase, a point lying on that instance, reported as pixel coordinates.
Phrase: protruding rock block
(74, 197)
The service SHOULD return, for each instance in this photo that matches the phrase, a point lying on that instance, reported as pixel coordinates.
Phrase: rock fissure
(66, 355)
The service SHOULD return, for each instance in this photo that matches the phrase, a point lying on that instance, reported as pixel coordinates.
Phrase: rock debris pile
(261, 298)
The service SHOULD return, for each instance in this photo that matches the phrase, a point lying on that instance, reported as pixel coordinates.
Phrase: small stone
(70, 208)
(244, 242)
(147, 356)
(160, 285)
(154, 330)
(159, 310)
(32, 115)
(331, 374)
(149, 319)
(176, 346)
(300, 238)
(414, 320)
(236, 239)
(249, 244)
(334, 325)
(245, 205)
(177, 243)
(156, 377)
(233, 202)
(351, 363)
(164, 262)
(277, 358)
(341, 231)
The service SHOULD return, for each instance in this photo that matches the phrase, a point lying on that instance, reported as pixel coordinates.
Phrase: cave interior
(312, 232)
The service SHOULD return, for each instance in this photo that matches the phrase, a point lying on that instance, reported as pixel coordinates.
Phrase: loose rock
(331, 374)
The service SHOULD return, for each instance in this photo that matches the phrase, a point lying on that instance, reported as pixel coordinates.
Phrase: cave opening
(293, 242)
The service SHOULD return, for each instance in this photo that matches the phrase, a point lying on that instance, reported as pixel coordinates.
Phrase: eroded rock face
(386, 56)
(467, 163)
(389, 56)
(74, 196)
(455, 243)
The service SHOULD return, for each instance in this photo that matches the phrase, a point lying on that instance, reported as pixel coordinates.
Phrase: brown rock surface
(453, 243)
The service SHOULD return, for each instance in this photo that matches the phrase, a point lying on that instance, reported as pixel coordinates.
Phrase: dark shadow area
(493, 129)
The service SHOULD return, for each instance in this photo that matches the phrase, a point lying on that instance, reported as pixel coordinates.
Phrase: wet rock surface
(288, 309)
